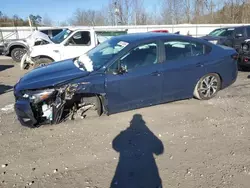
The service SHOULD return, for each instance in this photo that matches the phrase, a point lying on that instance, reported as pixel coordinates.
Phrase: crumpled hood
(37, 35)
(50, 75)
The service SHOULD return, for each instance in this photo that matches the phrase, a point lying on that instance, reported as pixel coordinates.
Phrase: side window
(176, 50)
(248, 31)
(239, 32)
(143, 55)
(80, 38)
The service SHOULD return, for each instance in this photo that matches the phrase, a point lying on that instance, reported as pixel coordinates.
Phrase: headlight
(214, 41)
(245, 47)
(38, 95)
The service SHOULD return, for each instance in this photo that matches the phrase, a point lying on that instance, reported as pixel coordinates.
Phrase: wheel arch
(207, 74)
(100, 97)
(44, 56)
(12, 47)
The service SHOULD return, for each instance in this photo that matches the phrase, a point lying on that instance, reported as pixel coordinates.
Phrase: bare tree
(121, 11)
(187, 11)
(172, 11)
(167, 12)
(127, 12)
(154, 17)
(140, 16)
(87, 18)
(47, 21)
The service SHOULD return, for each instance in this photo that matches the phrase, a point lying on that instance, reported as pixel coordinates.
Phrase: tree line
(135, 12)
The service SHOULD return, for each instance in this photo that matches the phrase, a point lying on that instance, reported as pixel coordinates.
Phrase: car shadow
(137, 146)
(5, 88)
(4, 67)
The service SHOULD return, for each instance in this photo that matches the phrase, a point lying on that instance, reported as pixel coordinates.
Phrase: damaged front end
(52, 105)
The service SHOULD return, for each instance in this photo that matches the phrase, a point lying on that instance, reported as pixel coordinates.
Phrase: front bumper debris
(32, 114)
(24, 113)
(26, 61)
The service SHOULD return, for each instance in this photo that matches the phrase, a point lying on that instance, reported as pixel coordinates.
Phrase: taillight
(246, 60)
(235, 56)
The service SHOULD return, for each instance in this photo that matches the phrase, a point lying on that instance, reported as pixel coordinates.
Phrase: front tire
(17, 54)
(207, 87)
(42, 62)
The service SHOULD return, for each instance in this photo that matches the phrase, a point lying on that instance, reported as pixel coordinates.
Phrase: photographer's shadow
(137, 167)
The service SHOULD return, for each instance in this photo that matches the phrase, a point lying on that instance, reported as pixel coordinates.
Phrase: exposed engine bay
(51, 106)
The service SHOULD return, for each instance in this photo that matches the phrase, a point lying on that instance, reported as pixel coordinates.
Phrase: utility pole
(30, 23)
(117, 12)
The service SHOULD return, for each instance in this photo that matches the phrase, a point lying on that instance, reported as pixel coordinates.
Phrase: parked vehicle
(69, 43)
(244, 55)
(161, 31)
(123, 73)
(17, 48)
(164, 31)
(231, 36)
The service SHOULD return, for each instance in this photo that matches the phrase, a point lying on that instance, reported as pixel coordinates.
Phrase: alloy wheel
(19, 54)
(208, 86)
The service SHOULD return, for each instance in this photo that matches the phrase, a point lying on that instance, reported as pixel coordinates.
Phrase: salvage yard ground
(206, 143)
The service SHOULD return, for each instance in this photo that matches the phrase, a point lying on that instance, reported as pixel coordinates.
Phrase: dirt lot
(186, 144)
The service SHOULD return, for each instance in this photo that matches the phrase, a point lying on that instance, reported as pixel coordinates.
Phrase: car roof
(234, 27)
(80, 28)
(138, 37)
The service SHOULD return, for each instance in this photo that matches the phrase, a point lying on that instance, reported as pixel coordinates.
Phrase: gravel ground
(184, 144)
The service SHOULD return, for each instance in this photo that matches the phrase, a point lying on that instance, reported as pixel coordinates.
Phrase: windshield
(100, 55)
(221, 32)
(61, 36)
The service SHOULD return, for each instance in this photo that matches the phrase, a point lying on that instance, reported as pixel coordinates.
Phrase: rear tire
(207, 87)
(17, 54)
(42, 62)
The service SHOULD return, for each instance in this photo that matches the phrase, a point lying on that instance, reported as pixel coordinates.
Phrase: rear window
(179, 49)
(45, 31)
(56, 31)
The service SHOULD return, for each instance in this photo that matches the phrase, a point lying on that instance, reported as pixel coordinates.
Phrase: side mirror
(66, 43)
(238, 35)
(120, 70)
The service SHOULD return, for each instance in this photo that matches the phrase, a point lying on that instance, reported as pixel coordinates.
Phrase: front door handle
(199, 64)
(156, 73)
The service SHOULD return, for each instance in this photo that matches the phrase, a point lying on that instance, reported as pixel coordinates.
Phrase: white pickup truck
(69, 43)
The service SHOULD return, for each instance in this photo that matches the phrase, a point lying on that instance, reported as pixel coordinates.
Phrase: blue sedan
(124, 73)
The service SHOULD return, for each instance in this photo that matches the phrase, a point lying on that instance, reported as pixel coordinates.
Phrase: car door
(184, 64)
(140, 84)
(239, 37)
(77, 44)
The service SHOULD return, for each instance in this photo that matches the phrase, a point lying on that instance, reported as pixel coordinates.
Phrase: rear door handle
(156, 73)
